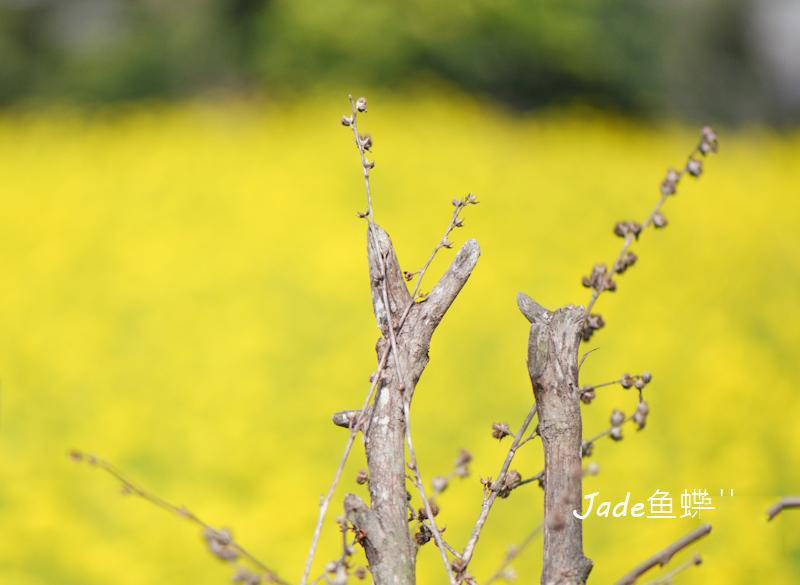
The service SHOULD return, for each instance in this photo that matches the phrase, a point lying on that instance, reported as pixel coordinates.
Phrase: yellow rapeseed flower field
(184, 292)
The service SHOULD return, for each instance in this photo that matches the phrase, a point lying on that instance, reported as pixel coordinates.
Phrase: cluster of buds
(592, 323)
(617, 418)
(623, 228)
(362, 477)
(457, 221)
(422, 514)
(600, 279)
(510, 481)
(503, 489)
(501, 430)
(439, 484)
(459, 567)
(669, 185)
(365, 141)
(640, 414)
(337, 572)
(423, 535)
(360, 106)
(220, 543)
(460, 469)
(624, 262)
(694, 167)
(658, 220)
(709, 142)
(639, 382)
(245, 576)
(468, 199)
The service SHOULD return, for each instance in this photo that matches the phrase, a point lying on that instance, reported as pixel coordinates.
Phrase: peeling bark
(388, 544)
(553, 368)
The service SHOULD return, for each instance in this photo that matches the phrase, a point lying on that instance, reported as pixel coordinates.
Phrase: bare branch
(450, 284)
(513, 552)
(553, 369)
(489, 498)
(781, 505)
(667, 578)
(661, 558)
(346, 418)
(601, 278)
(323, 506)
(406, 328)
(220, 541)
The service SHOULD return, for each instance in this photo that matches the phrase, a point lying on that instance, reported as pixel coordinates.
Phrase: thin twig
(414, 466)
(667, 577)
(708, 143)
(323, 506)
(394, 350)
(488, 501)
(663, 557)
(366, 165)
(513, 553)
(129, 487)
(781, 505)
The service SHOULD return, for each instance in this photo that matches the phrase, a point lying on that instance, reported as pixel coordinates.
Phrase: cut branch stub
(391, 557)
(553, 368)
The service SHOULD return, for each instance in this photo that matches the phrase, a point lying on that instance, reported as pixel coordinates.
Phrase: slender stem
(666, 578)
(513, 553)
(359, 425)
(323, 506)
(489, 499)
(662, 557)
(404, 383)
(132, 488)
(629, 237)
(781, 505)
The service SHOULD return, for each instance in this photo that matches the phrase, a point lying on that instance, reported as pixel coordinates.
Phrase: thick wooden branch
(399, 296)
(392, 556)
(781, 505)
(553, 368)
(662, 557)
(346, 418)
(448, 287)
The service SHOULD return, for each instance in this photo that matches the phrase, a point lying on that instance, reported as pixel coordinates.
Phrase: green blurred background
(185, 289)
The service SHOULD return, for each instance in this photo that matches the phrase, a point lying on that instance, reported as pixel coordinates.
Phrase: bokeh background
(185, 287)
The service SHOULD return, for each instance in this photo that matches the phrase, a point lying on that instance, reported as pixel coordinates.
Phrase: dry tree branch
(600, 279)
(354, 419)
(501, 574)
(781, 505)
(404, 383)
(666, 578)
(354, 425)
(553, 366)
(626, 381)
(490, 494)
(662, 557)
(220, 541)
(386, 539)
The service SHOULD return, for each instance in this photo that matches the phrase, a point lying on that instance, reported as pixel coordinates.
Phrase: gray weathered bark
(387, 542)
(553, 368)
